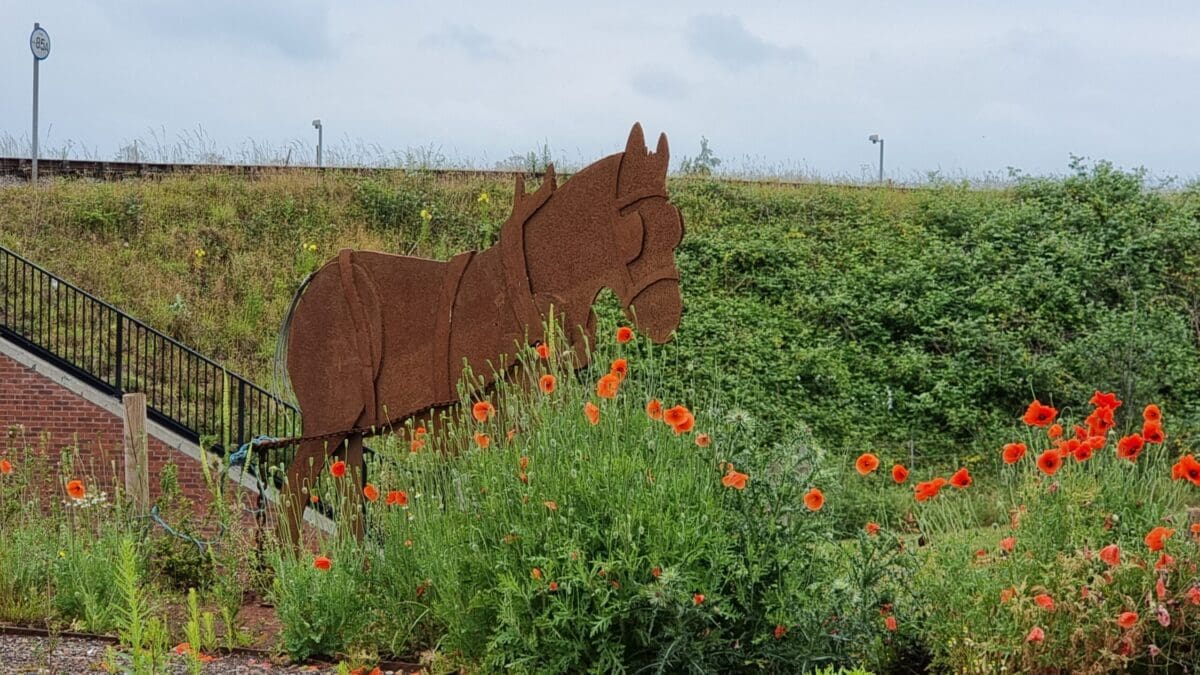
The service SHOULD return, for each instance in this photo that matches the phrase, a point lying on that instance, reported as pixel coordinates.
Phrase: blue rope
(240, 456)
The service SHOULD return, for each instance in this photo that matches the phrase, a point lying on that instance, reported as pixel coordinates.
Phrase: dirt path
(76, 656)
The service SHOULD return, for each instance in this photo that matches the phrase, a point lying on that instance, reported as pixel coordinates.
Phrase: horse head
(609, 226)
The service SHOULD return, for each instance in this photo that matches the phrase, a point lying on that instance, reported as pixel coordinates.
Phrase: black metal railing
(118, 354)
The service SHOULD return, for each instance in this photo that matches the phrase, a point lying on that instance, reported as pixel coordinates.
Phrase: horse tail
(282, 389)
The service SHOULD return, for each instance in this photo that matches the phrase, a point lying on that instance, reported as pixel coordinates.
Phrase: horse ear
(636, 142)
(663, 153)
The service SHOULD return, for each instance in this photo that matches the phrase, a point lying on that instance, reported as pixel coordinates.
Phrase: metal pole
(881, 160)
(34, 153)
(320, 136)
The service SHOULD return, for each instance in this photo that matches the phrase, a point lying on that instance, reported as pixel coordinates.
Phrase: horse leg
(300, 486)
(352, 488)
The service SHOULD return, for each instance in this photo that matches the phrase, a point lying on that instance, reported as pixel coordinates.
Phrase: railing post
(241, 437)
(120, 349)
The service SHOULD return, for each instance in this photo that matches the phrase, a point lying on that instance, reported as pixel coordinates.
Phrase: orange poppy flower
(512, 433)
(1007, 594)
(872, 529)
(703, 440)
(961, 479)
(543, 351)
(547, 383)
(624, 334)
(1055, 431)
(483, 411)
(322, 563)
(536, 573)
(370, 492)
(890, 623)
(1013, 452)
(482, 440)
(1152, 413)
(592, 412)
(1189, 469)
(1152, 433)
(734, 479)
(814, 499)
(676, 415)
(313, 499)
(686, 425)
(397, 498)
(698, 598)
(1157, 538)
(1164, 562)
(551, 504)
(607, 386)
(866, 463)
(654, 409)
(656, 572)
(1008, 543)
(620, 368)
(1082, 452)
(1127, 619)
(5, 467)
(553, 586)
(1044, 601)
(1100, 421)
(899, 474)
(417, 444)
(75, 489)
(927, 490)
(523, 463)
(780, 631)
(1129, 447)
(338, 469)
(1039, 415)
(1109, 400)
(1193, 595)
(1111, 555)
(1049, 462)
(1036, 635)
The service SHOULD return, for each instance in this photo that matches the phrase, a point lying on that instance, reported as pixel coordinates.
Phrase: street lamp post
(320, 134)
(876, 138)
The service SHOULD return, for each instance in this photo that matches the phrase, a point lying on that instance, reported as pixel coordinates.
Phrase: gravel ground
(72, 656)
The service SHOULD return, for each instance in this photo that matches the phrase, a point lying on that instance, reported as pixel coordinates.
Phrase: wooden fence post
(137, 460)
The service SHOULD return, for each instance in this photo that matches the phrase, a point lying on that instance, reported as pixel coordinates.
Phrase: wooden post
(137, 461)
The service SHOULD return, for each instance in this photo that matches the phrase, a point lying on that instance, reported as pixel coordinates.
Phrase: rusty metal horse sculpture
(364, 351)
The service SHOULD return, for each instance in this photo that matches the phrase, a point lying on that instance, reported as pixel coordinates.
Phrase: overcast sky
(774, 84)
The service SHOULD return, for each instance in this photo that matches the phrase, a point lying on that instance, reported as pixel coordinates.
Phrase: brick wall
(39, 414)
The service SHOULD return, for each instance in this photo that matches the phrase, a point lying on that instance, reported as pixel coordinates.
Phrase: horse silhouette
(373, 339)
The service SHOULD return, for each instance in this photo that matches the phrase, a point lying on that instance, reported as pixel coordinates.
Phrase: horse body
(377, 338)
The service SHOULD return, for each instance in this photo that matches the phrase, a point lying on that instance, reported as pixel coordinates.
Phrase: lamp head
(316, 124)
(874, 138)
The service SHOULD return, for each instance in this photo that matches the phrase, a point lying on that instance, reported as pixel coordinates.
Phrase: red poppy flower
(1129, 447)
(536, 573)
(1193, 595)
(1036, 635)
(675, 415)
(1038, 415)
(592, 413)
(1097, 442)
(1055, 431)
(698, 598)
(547, 383)
(5, 467)
(1007, 594)
(1111, 555)
(1189, 469)
(553, 586)
(523, 462)
(734, 479)
(1082, 452)
(866, 463)
(543, 351)
(961, 478)
(417, 444)
(703, 440)
(1157, 538)
(929, 489)
(1100, 421)
(1049, 462)
(654, 409)
(483, 411)
(656, 571)
(482, 440)
(322, 563)
(370, 492)
(607, 386)
(899, 474)
(1164, 562)
(1044, 601)
(620, 368)
(1102, 400)
(1127, 619)
(814, 499)
(872, 528)
(1152, 433)
(780, 631)
(624, 334)
(890, 623)
(314, 499)
(1152, 413)
(397, 498)
(1013, 452)
(686, 425)
(338, 469)
(1008, 543)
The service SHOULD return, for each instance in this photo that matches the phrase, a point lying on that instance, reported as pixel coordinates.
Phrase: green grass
(912, 322)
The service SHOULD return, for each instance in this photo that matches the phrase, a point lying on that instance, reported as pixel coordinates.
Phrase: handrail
(117, 353)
